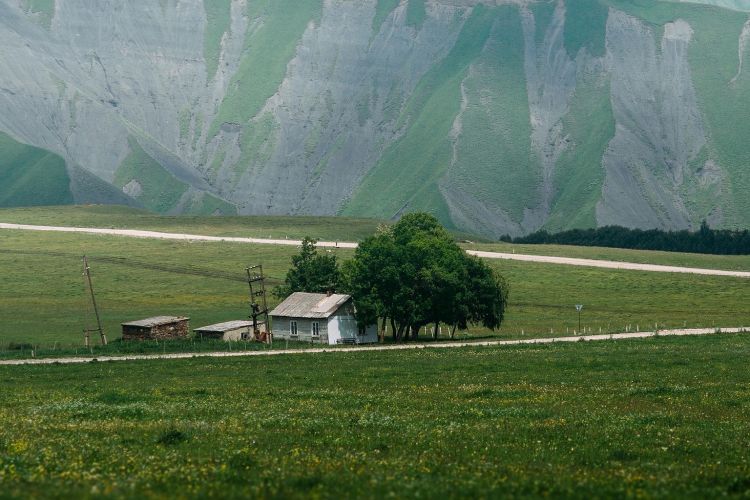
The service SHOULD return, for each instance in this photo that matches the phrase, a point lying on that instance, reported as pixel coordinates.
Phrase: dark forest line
(705, 240)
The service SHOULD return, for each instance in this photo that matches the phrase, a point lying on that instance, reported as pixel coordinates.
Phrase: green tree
(413, 274)
(310, 272)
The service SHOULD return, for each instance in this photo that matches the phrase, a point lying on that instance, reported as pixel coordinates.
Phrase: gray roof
(226, 327)
(156, 321)
(310, 305)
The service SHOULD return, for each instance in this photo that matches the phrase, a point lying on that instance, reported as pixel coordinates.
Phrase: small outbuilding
(230, 330)
(157, 328)
(322, 318)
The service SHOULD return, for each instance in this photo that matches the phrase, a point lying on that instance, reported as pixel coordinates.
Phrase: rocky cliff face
(659, 128)
(499, 116)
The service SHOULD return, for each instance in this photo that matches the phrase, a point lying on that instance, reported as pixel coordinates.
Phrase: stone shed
(157, 328)
(320, 318)
(229, 330)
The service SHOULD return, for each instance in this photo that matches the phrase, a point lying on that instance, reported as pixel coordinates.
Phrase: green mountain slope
(31, 177)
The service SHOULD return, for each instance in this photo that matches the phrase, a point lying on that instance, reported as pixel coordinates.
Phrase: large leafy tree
(310, 272)
(414, 274)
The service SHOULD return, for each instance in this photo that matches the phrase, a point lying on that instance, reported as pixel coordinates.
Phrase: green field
(43, 299)
(329, 229)
(321, 228)
(664, 417)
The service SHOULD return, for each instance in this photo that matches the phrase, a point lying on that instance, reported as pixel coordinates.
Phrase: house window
(293, 328)
(315, 329)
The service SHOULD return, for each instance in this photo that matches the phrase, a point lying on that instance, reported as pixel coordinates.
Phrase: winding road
(568, 261)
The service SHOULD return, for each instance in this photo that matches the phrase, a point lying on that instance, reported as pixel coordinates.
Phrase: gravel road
(360, 349)
(606, 264)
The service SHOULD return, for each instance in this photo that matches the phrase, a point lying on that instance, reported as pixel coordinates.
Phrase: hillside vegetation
(498, 119)
(31, 176)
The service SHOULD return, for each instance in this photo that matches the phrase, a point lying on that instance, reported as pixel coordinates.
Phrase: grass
(726, 262)
(425, 149)
(31, 176)
(43, 9)
(119, 348)
(207, 204)
(268, 49)
(663, 417)
(329, 229)
(47, 272)
(543, 298)
(383, 9)
(160, 190)
(258, 142)
(218, 18)
(492, 152)
(43, 292)
(585, 27)
(579, 174)
(321, 228)
(416, 13)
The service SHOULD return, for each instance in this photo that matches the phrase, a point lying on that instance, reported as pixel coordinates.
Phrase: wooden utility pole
(258, 304)
(87, 331)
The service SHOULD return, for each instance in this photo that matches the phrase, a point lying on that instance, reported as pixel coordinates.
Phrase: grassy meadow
(292, 227)
(663, 417)
(43, 302)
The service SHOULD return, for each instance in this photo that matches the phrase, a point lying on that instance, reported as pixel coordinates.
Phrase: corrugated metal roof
(310, 305)
(226, 326)
(156, 321)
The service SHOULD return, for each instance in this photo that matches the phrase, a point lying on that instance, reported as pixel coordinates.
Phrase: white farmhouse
(317, 317)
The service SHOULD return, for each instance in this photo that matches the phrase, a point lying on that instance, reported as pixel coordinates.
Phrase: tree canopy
(310, 272)
(414, 274)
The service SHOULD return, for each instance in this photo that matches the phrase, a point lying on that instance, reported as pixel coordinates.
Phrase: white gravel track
(606, 264)
(362, 349)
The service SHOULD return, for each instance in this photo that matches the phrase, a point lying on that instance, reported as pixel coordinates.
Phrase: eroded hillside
(498, 116)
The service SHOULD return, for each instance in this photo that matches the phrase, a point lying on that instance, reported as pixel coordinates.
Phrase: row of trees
(705, 240)
(408, 275)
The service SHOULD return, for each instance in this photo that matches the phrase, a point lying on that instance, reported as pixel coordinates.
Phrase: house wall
(228, 335)
(180, 329)
(343, 326)
(235, 334)
(281, 329)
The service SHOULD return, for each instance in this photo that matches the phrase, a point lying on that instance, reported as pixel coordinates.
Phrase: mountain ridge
(499, 117)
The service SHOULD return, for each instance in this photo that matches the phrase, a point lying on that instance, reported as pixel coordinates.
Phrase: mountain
(498, 116)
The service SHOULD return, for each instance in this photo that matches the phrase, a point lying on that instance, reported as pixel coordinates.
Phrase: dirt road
(361, 349)
(607, 264)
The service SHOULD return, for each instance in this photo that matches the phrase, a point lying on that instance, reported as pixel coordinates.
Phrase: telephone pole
(87, 331)
(258, 304)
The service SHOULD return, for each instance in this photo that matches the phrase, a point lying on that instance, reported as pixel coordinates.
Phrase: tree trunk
(435, 330)
(382, 330)
(400, 334)
(415, 332)
(394, 331)
(453, 332)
